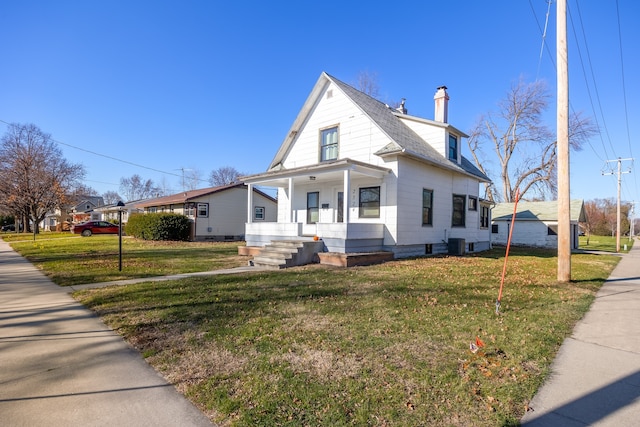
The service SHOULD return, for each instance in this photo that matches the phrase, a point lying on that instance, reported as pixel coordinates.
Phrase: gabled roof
(186, 196)
(537, 211)
(404, 141)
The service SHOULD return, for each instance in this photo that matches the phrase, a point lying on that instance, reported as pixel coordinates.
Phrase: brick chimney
(441, 99)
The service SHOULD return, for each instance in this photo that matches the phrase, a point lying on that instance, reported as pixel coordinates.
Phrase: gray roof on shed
(537, 211)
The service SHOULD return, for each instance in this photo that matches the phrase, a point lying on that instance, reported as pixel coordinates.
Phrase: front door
(313, 213)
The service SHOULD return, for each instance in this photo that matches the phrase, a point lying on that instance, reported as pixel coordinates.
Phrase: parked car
(10, 227)
(95, 227)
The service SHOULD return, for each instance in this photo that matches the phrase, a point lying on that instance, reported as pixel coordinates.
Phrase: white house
(112, 212)
(361, 177)
(536, 223)
(218, 213)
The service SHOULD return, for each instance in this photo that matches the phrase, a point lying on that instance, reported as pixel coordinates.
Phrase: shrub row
(158, 226)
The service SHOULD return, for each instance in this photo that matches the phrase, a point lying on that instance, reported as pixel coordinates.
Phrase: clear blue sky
(206, 84)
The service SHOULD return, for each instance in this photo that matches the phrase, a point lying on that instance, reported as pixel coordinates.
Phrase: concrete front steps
(287, 253)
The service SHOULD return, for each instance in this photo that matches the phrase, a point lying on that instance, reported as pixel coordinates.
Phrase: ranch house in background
(217, 213)
(360, 176)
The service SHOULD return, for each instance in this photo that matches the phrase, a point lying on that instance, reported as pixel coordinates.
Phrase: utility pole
(564, 202)
(619, 160)
(633, 220)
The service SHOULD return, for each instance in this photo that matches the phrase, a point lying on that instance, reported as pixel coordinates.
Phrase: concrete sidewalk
(595, 379)
(61, 366)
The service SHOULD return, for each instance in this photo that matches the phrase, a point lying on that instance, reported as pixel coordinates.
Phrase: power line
(595, 85)
(108, 157)
(624, 88)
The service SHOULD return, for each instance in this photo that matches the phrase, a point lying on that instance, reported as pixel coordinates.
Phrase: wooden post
(564, 210)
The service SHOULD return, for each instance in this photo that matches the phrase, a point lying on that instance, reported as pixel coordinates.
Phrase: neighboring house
(218, 213)
(111, 212)
(361, 177)
(536, 223)
(80, 209)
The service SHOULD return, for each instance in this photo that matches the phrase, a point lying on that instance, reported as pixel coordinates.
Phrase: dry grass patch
(377, 345)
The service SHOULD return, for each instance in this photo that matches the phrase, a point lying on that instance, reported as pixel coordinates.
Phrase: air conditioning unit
(456, 246)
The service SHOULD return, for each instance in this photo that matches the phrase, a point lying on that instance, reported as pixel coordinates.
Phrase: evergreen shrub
(158, 226)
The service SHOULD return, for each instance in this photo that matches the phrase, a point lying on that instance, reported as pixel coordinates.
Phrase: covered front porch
(323, 202)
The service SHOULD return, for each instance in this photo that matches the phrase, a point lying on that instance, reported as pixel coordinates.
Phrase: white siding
(436, 136)
(526, 233)
(228, 211)
(358, 137)
(414, 177)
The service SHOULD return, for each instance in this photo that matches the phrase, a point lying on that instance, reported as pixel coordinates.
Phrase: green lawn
(605, 243)
(380, 345)
(72, 260)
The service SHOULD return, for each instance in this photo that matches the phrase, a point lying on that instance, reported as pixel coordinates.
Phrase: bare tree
(524, 146)
(224, 176)
(34, 177)
(191, 179)
(83, 190)
(368, 83)
(111, 197)
(135, 188)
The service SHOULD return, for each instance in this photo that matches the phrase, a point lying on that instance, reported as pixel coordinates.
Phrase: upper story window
(329, 144)
(453, 147)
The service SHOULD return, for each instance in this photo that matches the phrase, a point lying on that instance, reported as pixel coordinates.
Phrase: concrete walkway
(595, 378)
(61, 366)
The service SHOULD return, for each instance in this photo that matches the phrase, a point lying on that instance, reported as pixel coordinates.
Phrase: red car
(95, 227)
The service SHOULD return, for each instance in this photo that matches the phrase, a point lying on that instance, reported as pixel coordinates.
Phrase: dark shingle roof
(404, 139)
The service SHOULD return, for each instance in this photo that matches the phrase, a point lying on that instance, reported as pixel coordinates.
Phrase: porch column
(249, 203)
(290, 210)
(347, 195)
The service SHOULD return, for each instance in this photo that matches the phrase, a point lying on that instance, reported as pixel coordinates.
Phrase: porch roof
(322, 171)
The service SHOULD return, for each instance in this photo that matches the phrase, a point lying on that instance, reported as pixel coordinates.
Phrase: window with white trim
(203, 210)
(329, 144)
(258, 214)
(453, 147)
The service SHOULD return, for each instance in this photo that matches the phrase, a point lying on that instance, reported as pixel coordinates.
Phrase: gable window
(453, 147)
(313, 205)
(329, 144)
(258, 214)
(369, 204)
(458, 212)
(203, 210)
(427, 207)
(484, 216)
(473, 203)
